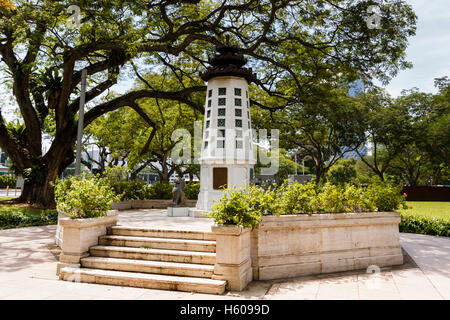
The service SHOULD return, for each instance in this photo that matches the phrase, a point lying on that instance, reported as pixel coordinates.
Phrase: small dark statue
(179, 198)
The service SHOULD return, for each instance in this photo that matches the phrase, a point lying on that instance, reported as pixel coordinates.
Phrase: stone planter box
(233, 261)
(148, 204)
(76, 236)
(298, 245)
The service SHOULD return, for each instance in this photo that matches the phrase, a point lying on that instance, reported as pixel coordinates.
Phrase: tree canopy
(294, 46)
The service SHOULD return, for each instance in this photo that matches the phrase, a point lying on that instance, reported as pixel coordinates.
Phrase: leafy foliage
(192, 190)
(385, 197)
(242, 207)
(17, 217)
(297, 48)
(160, 191)
(6, 180)
(84, 197)
(245, 206)
(297, 197)
(130, 190)
(409, 134)
(342, 172)
(425, 225)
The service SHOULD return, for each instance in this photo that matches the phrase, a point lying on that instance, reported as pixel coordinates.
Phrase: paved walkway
(11, 193)
(28, 263)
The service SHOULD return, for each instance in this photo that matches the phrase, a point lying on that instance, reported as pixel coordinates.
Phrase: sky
(429, 49)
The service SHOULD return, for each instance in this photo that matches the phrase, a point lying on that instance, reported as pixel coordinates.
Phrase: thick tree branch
(130, 98)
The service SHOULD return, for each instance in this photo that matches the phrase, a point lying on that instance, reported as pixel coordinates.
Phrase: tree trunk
(41, 194)
(39, 185)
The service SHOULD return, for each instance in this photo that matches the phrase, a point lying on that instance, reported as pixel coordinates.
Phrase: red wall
(427, 193)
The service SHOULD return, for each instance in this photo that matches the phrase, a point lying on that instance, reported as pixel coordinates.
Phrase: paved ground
(11, 193)
(28, 262)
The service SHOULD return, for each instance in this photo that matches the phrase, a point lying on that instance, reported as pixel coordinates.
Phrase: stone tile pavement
(28, 263)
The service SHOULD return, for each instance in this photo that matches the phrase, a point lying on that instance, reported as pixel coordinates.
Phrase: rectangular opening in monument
(220, 178)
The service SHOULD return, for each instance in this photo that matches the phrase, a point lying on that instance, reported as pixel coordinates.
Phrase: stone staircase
(149, 258)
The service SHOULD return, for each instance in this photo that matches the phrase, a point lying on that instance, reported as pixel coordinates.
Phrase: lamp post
(81, 122)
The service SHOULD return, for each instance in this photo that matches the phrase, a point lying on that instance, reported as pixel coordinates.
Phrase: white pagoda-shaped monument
(227, 157)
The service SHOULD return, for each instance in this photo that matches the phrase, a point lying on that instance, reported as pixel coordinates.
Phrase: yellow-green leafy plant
(243, 206)
(357, 200)
(84, 197)
(331, 199)
(297, 198)
(385, 197)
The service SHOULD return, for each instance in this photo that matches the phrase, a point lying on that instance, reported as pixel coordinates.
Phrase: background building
(356, 88)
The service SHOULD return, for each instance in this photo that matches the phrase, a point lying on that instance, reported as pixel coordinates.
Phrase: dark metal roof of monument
(228, 62)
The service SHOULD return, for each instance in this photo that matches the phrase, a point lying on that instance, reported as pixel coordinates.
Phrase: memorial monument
(227, 157)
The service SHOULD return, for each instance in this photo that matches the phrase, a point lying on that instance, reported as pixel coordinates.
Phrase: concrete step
(143, 280)
(160, 233)
(158, 243)
(154, 254)
(144, 266)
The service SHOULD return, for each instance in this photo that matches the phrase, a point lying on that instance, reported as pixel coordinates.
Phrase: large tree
(409, 135)
(387, 130)
(323, 128)
(293, 45)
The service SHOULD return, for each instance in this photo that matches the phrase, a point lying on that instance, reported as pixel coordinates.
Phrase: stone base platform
(178, 212)
(195, 213)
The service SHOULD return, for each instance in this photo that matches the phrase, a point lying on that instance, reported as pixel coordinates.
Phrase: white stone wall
(298, 245)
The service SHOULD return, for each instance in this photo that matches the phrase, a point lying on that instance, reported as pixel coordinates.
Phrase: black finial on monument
(228, 62)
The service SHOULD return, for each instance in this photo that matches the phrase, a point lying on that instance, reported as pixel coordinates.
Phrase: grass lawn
(19, 216)
(4, 198)
(428, 209)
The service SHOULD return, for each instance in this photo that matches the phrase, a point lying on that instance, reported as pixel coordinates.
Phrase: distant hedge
(6, 180)
(15, 217)
(425, 225)
(192, 190)
(139, 190)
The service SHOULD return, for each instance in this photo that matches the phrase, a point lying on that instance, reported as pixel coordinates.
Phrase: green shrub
(242, 207)
(6, 180)
(385, 197)
(84, 197)
(331, 199)
(297, 198)
(357, 200)
(130, 190)
(139, 190)
(425, 225)
(342, 172)
(262, 201)
(192, 190)
(115, 174)
(161, 191)
(246, 206)
(14, 217)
